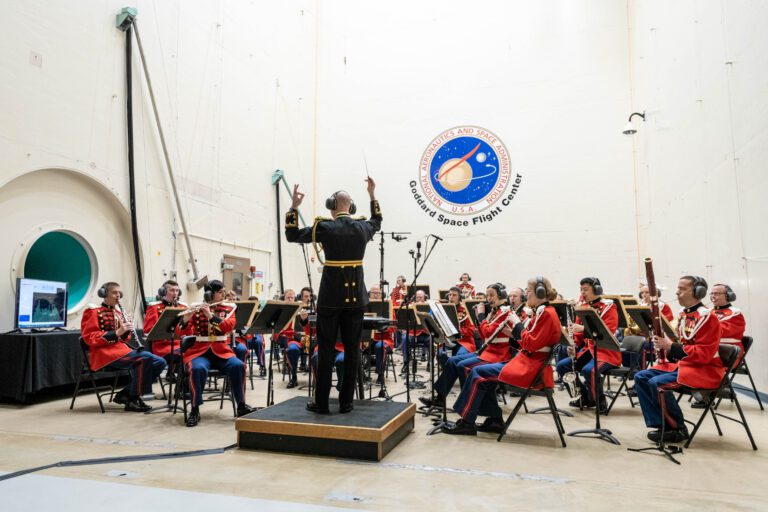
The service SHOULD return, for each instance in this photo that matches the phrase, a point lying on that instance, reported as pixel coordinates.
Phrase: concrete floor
(528, 470)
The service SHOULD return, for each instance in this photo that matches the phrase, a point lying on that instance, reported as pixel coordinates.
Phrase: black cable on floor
(110, 460)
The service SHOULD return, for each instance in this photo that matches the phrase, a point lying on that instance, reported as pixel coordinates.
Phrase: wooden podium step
(369, 432)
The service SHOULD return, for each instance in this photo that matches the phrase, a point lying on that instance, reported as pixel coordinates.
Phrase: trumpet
(197, 307)
(571, 379)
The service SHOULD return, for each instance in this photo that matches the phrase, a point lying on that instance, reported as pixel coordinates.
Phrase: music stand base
(430, 411)
(597, 433)
(440, 426)
(667, 451)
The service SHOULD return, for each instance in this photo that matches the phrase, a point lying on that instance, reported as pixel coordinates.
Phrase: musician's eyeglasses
(716, 293)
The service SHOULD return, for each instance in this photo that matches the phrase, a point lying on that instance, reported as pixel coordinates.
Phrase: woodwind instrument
(125, 317)
(571, 379)
(198, 307)
(501, 327)
(654, 304)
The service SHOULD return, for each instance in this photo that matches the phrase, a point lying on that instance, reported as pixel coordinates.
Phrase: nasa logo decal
(465, 171)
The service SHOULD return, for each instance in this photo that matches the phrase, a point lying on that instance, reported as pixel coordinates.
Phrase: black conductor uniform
(342, 297)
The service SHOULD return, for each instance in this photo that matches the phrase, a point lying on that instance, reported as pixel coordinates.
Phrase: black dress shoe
(461, 428)
(345, 408)
(262, 372)
(699, 404)
(581, 403)
(194, 417)
(494, 425)
(603, 406)
(631, 392)
(437, 402)
(121, 398)
(137, 405)
(243, 409)
(292, 383)
(670, 436)
(313, 407)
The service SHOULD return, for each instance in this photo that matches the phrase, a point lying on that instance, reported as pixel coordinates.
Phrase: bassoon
(654, 304)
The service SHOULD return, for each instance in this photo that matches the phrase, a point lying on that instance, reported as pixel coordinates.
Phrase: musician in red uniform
(418, 337)
(399, 292)
(732, 322)
(645, 300)
(698, 363)
(210, 325)
(298, 330)
(535, 341)
(167, 297)
(467, 288)
(107, 331)
(494, 330)
(591, 386)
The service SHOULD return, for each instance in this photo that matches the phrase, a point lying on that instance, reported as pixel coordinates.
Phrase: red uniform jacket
(200, 326)
(160, 347)
(98, 332)
(699, 332)
(466, 329)
(397, 296)
(467, 290)
(610, 315)
(536, 342)
(496, 352)
(666, 311)
(732, 325)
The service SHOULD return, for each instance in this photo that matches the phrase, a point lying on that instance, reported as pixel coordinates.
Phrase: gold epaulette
(360, 218)
(321, 219)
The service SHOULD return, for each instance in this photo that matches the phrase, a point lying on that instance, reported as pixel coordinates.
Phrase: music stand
(442, 295)
(275, 315)
(641, 315)
(469, 305)
(164, 329)
(596, 330)
(408, 320)
(620, 307)
(423, 287)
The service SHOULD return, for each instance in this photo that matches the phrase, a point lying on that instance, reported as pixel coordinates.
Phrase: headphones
(330, 203)
(163, 291)
(501, 290)
(211, 288)
(658, 294)
(523, 296)
(730, 295)
(594, 282)
(700, 287)
(102, 291)
(541, 288)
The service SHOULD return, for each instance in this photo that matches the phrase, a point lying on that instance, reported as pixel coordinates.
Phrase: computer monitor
(40, 304)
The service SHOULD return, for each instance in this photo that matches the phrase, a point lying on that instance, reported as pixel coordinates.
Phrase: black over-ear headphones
(501, 290)
(163, 291)
(330, 203)
(699, 287)
(102, 291)
(523, 296)
(730, 295)
(211, 288)
(594, 282)
(540, 288)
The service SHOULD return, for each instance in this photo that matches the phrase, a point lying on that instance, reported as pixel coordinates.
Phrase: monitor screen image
(40, 304)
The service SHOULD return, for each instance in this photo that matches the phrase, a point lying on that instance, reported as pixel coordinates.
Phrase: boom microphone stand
(313, 308)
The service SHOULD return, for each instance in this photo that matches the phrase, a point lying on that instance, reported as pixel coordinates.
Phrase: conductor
(342, 297)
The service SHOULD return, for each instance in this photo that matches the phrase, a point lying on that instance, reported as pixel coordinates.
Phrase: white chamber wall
(700, 72)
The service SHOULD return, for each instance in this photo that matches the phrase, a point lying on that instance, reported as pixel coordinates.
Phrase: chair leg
(96, 390)
(616, 395)
(754, 388)
(744, 420)
(77, 387)
(698, 424)
(114, 386)
(556, 418)
(162, 388)
(514, 412)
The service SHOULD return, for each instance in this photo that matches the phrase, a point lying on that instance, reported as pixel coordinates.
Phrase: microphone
(418, 249)
(437, 237)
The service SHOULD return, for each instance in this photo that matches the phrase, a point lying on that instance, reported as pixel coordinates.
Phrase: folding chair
(631, 344)
(548, 393)
(743, 369)
(729, 355)
(87, 372)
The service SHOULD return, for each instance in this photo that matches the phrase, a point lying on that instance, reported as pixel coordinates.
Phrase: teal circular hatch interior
(59, 256)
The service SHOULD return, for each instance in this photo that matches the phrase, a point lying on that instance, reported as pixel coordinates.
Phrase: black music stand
(407, 320)
(244, 312)
(423, 287)
(469, 305)
(164, 329)
(442, 295)
(275, 315)
(596, 330)
(438, 335)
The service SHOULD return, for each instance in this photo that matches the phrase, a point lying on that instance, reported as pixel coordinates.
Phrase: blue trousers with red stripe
(241, 351)
(292, 353)
(442, 353)
(381, 356)
(647, 386)
(455, 368)
(145, 368)
(478, 394)
(592, 381)
(257, 345)
(197, 375)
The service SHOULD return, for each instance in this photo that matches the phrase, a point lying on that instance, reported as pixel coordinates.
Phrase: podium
(596, 330)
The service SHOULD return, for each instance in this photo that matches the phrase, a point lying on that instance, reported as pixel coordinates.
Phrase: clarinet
(127, 318)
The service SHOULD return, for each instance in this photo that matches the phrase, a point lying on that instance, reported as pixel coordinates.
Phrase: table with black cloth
(30, 363)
